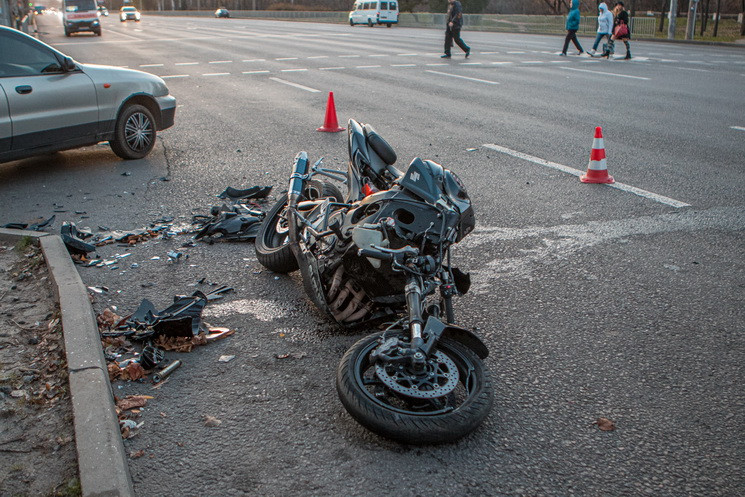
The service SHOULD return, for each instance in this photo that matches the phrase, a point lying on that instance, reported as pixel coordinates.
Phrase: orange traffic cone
(330, 124)
(597, 170)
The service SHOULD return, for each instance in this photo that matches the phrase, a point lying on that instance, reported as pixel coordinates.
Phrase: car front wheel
(134, 134)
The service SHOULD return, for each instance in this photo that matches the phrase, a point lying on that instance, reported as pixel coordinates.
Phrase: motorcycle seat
(383, 149)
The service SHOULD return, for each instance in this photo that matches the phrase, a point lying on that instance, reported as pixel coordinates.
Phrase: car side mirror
(68, 65)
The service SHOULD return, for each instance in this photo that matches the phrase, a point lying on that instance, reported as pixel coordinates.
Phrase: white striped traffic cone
(597, 170)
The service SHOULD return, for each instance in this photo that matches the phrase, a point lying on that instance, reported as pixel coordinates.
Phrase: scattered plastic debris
(253, 192)
(73, 239)
(30, 227)
(226, 358)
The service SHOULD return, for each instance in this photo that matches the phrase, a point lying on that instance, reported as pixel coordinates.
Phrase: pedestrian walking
(19, 15)
(452, 29)
(572, 25)
(605, 25)
(621, 30)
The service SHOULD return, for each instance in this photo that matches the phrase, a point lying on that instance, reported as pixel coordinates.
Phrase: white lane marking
(531, 62)
(605, 73)
(576, 172)
(220, 62)
(489, 53)
(175, 76)
(216, 74)
(464, 77)
(366, 67)
(290, 83)
(738, 128)
(330, 68)
(348, 56)
(407, 54)
(470, 63)
(255, 72)
(694, 69)
(403, 65)
(151, 65)
(186, 64)
(294, 70)
(558, 62)
(318, 57)
(501, 63)
(515, 52)
(287, 58)
(438, 64)
(544, 246)
(378, 55)
(254, 60)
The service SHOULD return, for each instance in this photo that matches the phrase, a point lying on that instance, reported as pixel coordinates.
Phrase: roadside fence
(640, 26)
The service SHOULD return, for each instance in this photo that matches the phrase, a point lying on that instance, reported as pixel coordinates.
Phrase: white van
(375, 12)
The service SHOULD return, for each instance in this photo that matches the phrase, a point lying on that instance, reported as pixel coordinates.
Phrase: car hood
(137, 81)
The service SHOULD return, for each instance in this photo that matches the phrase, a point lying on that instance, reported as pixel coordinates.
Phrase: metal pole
(673, 16)
(691, 26)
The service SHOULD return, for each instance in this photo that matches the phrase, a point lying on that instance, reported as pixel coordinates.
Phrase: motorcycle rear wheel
(414, 421)
(272, 245)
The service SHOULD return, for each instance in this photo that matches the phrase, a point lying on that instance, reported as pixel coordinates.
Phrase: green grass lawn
(729, 30)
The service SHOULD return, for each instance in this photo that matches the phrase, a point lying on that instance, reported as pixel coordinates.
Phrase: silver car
(48, 103)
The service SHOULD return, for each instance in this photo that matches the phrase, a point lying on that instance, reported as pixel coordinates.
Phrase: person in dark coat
(621, 18)
(452, 29)
(572, 25)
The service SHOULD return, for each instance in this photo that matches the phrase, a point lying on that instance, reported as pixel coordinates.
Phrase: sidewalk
(101, 457)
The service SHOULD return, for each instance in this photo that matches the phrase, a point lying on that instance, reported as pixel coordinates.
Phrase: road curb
(102, 462)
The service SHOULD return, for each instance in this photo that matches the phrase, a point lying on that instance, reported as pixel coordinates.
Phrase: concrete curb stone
(102, 462)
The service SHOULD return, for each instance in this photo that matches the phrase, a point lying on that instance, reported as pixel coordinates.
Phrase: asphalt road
(595, 301)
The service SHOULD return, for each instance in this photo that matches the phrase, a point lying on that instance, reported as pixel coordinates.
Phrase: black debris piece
(73, 239)
(30, 227)
(151, 357)
(183, 318)
(253, 192)
(235, 222)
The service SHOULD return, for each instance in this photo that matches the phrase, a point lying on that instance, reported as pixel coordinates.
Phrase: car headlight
(95, 23)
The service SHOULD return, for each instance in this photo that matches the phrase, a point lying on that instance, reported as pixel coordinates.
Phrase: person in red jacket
(452, 29)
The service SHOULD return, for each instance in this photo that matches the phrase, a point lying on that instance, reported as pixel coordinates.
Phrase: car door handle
(24, 89)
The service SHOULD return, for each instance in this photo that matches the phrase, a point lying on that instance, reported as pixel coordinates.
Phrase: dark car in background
(50, 103)
(222, 12)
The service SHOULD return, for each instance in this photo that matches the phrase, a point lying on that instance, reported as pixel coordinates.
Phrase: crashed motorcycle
(379, 255)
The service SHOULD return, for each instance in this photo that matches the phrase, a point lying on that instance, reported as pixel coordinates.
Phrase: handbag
(621, 31)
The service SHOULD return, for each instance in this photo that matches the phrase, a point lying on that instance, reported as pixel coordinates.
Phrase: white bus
(375, 12)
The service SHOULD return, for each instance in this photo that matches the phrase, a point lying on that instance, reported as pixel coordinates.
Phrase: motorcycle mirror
(318, 162)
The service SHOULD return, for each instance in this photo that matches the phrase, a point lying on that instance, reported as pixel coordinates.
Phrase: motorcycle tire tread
(278, 259)
(281, 259)
(415, 430)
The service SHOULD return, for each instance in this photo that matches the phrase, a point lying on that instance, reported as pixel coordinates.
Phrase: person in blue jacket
(605, 26)
(572, 26)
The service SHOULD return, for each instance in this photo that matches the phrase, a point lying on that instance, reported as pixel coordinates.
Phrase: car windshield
(128, 9)
(79, 5)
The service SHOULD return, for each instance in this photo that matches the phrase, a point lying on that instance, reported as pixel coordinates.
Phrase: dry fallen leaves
(108, 319)
(605, 424)
(211, 421)
(132, 402)
(136, 454)
(133, 371)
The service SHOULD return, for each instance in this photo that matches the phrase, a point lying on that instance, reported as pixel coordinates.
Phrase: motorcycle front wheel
(379, 401)
(272, 246)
